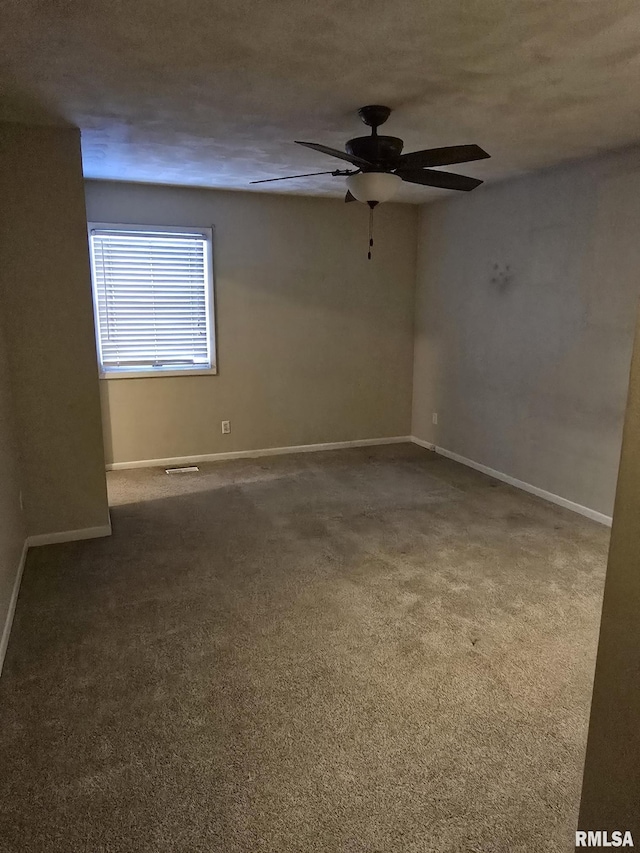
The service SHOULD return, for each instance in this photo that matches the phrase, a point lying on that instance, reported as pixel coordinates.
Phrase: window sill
(157, 374)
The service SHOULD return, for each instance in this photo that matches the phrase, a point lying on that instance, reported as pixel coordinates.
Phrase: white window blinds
(153, 297)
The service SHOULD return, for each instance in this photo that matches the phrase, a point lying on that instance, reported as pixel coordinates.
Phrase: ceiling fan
(381, 166)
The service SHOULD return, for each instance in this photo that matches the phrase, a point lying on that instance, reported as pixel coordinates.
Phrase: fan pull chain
(371, 206)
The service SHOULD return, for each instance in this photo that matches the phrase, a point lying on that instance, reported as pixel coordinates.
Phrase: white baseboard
(8, 622)
(426, 444)
(252, 454)
(519, 484)
(69, 535)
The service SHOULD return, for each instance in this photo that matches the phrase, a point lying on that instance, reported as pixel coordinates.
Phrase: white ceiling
(213, 94)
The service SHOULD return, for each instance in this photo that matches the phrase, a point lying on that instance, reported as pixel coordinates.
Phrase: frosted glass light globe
(373, 186)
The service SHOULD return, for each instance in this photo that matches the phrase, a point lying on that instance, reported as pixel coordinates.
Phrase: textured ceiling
(212, 94)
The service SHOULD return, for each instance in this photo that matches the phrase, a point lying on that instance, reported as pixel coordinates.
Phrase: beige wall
(45, 298)
(315, 343)
(528, 368)
(12, 528)
(611, 788)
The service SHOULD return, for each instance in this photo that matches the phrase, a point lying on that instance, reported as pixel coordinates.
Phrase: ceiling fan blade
(333, 152)
(350, 197)
(442, 156)
(289, 177)
(445, 180)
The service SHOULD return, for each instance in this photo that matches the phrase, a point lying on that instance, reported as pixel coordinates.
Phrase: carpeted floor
(363, 650)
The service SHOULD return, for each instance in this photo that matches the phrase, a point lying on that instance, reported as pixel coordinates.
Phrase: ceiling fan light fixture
(373, 186)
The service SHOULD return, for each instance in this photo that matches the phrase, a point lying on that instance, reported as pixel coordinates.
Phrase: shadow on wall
(18, 104)
(107, 428)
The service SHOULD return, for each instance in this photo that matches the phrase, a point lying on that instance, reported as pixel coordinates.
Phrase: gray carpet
(363, 650)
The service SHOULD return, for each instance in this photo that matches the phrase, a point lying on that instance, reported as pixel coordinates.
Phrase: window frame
(147, 373)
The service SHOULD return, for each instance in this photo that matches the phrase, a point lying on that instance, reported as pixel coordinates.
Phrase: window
(153, 300)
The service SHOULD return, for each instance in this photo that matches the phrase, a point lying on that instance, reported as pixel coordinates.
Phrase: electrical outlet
(434, 418)
(226, 427)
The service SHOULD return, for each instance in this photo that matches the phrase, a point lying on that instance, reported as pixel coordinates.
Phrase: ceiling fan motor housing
(381, 151)
(374, 115)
